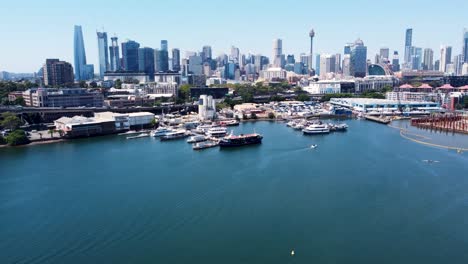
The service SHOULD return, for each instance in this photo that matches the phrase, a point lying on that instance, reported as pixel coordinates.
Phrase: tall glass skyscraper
(465, 46)
(358, 61)
(130, 55)
(146, 62)
(114, 55)
(164, 45)
(79, 55)
(103, 53)
(408, 44)
(176, 60)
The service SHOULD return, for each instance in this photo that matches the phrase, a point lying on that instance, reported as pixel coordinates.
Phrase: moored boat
(204, 145)
(240, 140)
(229, 123)
(216, 132)
(161, 131)
(196, 138)
(142, 135)
(316, 129)
(175, 135)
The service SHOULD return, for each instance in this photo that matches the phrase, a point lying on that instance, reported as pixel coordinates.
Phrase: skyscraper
(317, 64)
(103, 53)
(358, 60)
(176, 60)
(164, 45)
(445, 57)
(277, 52)
(395, 62)
(384, 55)
(327, 65)
(346, 64)
(408, 44)
(465, 45)
(130, 55)
(416, 58)
(311, 53)
(146, 62)
(79, 54)
(347, 49)
(428, 64)
(114, 55)
(57, 73)
(207, 53)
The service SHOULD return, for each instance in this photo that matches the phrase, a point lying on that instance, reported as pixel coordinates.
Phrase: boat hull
(240, 143)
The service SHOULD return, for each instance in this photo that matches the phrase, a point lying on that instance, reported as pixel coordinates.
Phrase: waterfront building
(206, 107)
(176, 60)
(130, 56)
(277, 53)
(140, 119)
(273, 74)
(358, 60)
(65, 97)
(412, 96)
(311, 52)
(445, 57)
(57, 73)
(79, 54)
(80, 126)
(114, 55)
(121, 120)
(408, 45)
(428, 64)
(384, 106)
(103, 53)
(323, 87)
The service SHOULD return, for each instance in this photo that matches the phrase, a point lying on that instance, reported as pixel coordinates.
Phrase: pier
(382, 120)
(449, 123)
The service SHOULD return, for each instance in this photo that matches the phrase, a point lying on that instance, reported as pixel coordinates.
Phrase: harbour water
(364, 196)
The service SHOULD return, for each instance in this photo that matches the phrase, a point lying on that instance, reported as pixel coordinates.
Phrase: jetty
(448, 122)
(379, 119)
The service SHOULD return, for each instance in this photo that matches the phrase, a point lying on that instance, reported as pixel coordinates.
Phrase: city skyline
(294, 32)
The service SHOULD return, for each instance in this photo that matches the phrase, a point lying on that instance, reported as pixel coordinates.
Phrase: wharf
(382, 120)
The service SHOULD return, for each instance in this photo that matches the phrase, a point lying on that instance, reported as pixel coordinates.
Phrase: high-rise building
(428, 64)
(277, 52)
(164, 45)
(195, 65)
(408, 45)
(347, 49)
(311, 52)
(235, 53)
(327, 64)
(57, 73)
(176, 60)
(384, 55)
(437, 65)
(79, 54)
(416, 58)
(338, 63)
(346, 65)
(130, 55)
(458, 64)
(207, 53)
(317, 64)
(465, 45)
(358, 62)
(103, 53)
(445, 57)
(146, 61)
(114, 55)
(396, 61)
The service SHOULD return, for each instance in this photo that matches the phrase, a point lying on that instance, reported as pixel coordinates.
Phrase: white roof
(140, 114)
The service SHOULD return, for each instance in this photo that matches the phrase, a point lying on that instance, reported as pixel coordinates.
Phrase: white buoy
(292, 252)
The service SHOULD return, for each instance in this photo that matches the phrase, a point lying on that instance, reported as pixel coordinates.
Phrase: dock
(382, 120)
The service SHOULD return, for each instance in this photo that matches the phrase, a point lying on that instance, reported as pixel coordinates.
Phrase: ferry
(204, 145)
(175, 135)
(216, 132)
(196, 139)
(316, 129)
(241, 140)
(161, 131)
(202, 129)
(142, 135)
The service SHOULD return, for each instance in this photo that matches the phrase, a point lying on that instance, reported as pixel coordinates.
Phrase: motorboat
(314, 146)
(216, 132)
(161, 131)
(204, 145)
(316, 129)
(142, 135)
(202, 129)
(175, 135)
(196, 139)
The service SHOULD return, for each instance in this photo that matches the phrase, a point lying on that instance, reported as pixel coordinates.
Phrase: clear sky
(33, 30)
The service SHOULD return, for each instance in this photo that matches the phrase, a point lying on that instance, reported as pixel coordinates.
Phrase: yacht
(196, 139)
(142, 135)
(216, 132)
(316, 129)
(161, 131)
(175, 135)
(202, 129)
(204, 145)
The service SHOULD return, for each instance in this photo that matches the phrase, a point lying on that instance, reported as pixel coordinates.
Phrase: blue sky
(32, 30)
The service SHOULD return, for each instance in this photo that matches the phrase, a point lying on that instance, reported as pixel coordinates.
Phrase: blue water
(364, 196)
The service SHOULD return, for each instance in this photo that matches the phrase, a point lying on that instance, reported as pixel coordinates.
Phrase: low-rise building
(140, 119)
(323, 87)
(80, 126)
(273, 74)
(121, 120)
(65, 97)
(384, 106)
(413, 96)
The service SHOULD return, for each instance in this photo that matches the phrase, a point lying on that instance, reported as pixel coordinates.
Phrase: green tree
(271, 115)
(17, 137)
(2, 140)
(184, 92)
(83, 84)
(51, 132)
(19, 101)
(10, 121)
(154, 123)
(118, 84)
(253, 115)
(303, 97)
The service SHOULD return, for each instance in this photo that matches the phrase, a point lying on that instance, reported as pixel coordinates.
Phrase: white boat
(176, 135)
(202, 129)
(314, 146)
(142, 135)
(197, 138)
(316, 129)
(204, 145)
(216, 132)
(161, 131)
